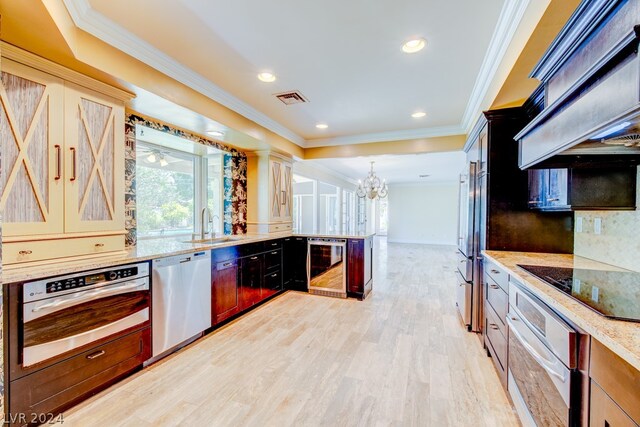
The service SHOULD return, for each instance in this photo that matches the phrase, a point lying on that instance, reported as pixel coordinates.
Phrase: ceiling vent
(290, 98)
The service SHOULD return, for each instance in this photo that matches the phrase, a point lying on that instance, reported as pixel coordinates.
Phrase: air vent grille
(290, 98)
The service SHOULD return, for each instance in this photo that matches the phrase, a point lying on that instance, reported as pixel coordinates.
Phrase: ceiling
(397, 169)
(345, 57)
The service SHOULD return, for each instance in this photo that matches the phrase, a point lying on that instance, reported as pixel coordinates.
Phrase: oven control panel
(91, 279)
(47, 288)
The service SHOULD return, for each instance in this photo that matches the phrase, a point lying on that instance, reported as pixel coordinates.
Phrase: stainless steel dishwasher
(181, 299)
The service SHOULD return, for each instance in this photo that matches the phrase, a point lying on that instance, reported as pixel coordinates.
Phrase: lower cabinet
(615, 389)
(294, 262)
(251, 277)
(224, 290)
(359, 267)
(58, 386)
(496, 306)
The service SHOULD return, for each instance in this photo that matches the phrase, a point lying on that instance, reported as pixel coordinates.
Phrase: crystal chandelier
(372, 187)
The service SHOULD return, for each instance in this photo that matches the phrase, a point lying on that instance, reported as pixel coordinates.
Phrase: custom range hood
(588, 102)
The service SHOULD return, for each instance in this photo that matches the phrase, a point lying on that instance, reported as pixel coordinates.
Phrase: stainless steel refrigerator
(467, 244)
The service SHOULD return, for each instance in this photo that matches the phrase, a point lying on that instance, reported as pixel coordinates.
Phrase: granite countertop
(622, 337)
(145, 250)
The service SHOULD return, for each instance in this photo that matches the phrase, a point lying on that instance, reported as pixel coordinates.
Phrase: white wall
(423, 213)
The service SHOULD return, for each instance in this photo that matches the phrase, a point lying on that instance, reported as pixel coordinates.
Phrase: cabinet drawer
(605, 412)
(18, 252)
(497, 298)
(285, 226)
(57, 386)
(273, 281)
(497, 274)
(271, 245)
(496, 343)
(617, 378)
(273, 259)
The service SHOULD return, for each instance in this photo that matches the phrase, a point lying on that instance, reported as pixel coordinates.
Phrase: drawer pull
(254, 257)
(494, 286)
(494, 271)
(463, 261)
(99, 245)
(226, 264)
(274, 253)
(274, 275)
(27, 252)
(96, 355)
(274, 244)
(553, 199)
(493, 326)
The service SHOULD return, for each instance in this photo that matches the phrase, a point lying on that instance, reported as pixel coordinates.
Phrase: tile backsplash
(619, 240)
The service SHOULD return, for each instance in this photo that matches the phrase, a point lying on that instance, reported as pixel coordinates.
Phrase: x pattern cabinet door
(95, 154)
(286, 209)
(31, 131)
(276, 188)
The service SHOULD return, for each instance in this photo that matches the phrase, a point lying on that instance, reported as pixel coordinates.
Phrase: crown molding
(508, 22)
(96, 24)
(387, 136)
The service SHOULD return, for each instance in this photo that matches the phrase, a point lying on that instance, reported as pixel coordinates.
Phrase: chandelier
(372, 187)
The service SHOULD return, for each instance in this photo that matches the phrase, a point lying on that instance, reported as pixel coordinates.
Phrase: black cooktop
(614, 294)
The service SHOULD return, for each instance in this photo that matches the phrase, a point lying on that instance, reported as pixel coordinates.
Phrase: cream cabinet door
(31, 131)
(94, 176)
(275, 190)
(287, 194)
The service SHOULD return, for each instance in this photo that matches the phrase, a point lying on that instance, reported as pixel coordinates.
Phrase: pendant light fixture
(372, 187)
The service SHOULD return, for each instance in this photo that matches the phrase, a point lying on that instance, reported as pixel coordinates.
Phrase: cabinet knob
(27, 252)
(493, 326)
(494, 286)
(494, 271)
(99, 245)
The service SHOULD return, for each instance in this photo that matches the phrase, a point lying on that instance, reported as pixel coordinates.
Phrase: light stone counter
(621, 337)
(146, 249)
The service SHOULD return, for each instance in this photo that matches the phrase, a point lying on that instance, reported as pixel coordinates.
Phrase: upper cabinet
(32, 134)
(269, 192)
(63, 157)
(94, 177)
(579, 189)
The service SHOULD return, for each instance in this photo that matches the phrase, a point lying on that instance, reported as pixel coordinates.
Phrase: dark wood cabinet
(225, 301)
(359, 267)
(63, 384)
(582, 188)
(251, 277)
(294, 261)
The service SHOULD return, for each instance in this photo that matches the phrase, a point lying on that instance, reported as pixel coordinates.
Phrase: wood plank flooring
(398, 358)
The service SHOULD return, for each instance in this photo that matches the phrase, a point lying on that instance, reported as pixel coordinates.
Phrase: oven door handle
(78, 299)
(542, 361)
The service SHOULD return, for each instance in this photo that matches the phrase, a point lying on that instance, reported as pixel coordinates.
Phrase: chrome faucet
(205, 211)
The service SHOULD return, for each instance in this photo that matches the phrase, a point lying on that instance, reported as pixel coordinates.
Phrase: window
(175, 180)
(328, 209)
(304, 190)
(348, 212)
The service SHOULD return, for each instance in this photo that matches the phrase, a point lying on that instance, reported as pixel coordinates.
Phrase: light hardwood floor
(400, 357)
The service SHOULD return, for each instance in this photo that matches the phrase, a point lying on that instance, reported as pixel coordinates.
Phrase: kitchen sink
(216, 240)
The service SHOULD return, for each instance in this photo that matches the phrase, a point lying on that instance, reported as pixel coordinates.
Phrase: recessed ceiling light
(418, 114)
(216, 133)
(414, 45)
(322, 125)
(267, 77)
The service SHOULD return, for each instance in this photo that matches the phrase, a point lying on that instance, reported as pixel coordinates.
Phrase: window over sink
(175, 180)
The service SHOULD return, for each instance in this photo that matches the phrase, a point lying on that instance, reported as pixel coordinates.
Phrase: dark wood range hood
(589, 97)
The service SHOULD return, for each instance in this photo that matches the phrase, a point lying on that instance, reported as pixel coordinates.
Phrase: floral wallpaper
(235, 177)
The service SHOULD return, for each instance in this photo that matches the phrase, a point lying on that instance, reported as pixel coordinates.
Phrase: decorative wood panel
(31, 131)
(95, 154)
